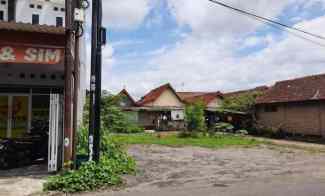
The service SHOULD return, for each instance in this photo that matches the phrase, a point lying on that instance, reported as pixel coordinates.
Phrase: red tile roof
(155, 94)
(26, 27)
(296, 90)
(205, 97)
(238, 93)
(126, 93)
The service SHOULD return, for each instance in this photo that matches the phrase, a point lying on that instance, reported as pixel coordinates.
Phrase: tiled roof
(26, 27)
(205, 97)
(296, 90)
(155, 94)
(238, 93)
(126, 93)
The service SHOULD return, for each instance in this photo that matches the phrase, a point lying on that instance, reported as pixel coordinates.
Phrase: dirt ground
(190, 171)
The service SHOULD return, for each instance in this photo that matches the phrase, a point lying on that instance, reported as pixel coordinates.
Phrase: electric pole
(98, 39)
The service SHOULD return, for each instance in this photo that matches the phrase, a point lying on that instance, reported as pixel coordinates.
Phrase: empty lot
(187, 171)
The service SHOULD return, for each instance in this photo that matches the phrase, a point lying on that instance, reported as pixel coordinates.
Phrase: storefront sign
(31, 55)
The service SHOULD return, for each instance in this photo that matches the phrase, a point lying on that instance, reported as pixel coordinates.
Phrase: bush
(113, 119)
(224, 127)
(195, 120)
(90, 176)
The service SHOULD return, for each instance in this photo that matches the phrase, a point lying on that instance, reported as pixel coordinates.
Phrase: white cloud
(125, 14)
(205, 17)
(206, 59)
(205, 64)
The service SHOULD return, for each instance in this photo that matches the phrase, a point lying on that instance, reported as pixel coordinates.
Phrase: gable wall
(166, 99)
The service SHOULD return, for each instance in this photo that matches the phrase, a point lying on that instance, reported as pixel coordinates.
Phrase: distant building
(163, 108)
(295, 106)
(42, 12)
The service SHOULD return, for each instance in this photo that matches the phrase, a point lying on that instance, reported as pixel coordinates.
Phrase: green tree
(242, 103)
(195, 119)
(113, 119)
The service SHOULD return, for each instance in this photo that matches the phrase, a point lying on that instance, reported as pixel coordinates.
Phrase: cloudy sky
(199, 46)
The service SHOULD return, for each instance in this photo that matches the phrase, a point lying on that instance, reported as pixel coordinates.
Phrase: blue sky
(198, 46)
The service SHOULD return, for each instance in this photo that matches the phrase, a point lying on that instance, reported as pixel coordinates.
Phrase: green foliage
(194, 119)
(90, 176)
(224, 127)
(242, 103)
(113, 119)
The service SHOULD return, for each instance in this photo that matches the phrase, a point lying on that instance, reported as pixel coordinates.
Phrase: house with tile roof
(163, 108)
(296, 106)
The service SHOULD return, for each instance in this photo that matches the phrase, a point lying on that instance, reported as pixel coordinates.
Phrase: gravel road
(190, 171)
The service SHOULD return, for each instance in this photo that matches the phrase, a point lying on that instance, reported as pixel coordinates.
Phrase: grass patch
(172, 140)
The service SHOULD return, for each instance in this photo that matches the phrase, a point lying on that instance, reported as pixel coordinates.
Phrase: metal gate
(55, 151)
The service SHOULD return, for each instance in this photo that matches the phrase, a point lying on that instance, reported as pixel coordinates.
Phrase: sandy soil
(171, 171)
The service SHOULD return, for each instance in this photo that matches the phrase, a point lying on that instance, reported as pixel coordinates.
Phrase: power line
(288, 31)
(267, 20)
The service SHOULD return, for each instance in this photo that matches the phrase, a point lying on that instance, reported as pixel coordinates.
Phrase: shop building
(32, 74)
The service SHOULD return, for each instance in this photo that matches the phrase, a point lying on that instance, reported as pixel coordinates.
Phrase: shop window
(19, 118)
(59, 21)
(270, 108)
(1, 16)
(3, 116)
(35, 19)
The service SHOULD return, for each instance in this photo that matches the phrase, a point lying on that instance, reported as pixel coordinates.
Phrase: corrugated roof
(26, 27)
(296, 90)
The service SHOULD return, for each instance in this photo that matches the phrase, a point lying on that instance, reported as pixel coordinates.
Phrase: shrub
(113, 119)
(113, 163)
(224, 127)
(195, 119)
(91, 176)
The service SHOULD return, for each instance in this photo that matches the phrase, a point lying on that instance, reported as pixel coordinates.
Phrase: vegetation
(194, 119)
(114, 120)
(90, 176)
(217, 141)
(241, 103)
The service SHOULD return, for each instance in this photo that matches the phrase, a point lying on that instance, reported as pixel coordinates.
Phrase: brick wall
(306, 118)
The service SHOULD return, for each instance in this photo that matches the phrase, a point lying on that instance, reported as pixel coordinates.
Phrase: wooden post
(76, 92)
(68, 84)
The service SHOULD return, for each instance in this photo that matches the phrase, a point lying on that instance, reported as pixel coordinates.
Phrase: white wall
(47, 15)
(4, 9)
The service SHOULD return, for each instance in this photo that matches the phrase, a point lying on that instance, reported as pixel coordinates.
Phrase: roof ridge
(301, 78)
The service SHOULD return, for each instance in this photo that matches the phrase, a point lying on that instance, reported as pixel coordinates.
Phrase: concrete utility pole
(98, 39)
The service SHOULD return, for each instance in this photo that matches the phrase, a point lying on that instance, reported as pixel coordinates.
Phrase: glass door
(3, 116)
